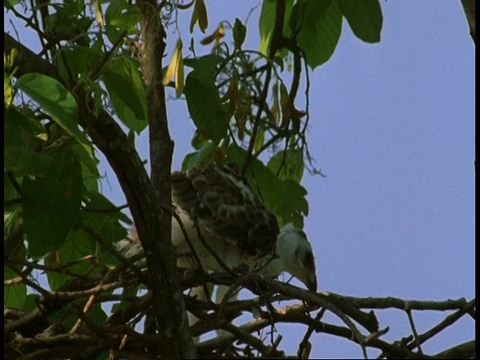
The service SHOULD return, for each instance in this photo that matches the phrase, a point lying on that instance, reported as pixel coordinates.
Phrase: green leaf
(11, 3)
(291, 203)
(89, 163)
(127, 92)
(14, 295)
(260, 178)
(287, 164)
(76, 246)
(97, 203)
(259, 140)
(284, 198)
(364, 17)
(31, 302)
(97, 314)
(200, 156)
(119, 17)
(198, 140)
(17, 130)
(239, 33)
(107, 225)
(203, 101)
(77, 61)
(56, 101)
(267, 22)
(320, 31)
(68, 23)
(51, 203)
(205, 66)
(26, 162)
(200, 15)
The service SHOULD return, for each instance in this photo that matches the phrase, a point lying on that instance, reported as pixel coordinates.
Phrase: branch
(169, 307)
(396, 303)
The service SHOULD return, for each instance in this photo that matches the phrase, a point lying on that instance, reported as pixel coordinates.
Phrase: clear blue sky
(392, 127)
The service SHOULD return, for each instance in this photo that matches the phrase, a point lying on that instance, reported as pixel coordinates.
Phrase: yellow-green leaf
(174, 62)
(98, 13)
(199, 15)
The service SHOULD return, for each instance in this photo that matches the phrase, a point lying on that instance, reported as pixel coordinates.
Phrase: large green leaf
(17, 130)
(127, 92)
(51, 203)
(205, 66)
(56, 101)
(284, 198)
(19, 142)
(90, 174)
(291, 203)
(26, 162)
(203, 101)
(287, 164)
(260, 178)
(364, 17)
(267, 22)
(321, 25)
(77, 60)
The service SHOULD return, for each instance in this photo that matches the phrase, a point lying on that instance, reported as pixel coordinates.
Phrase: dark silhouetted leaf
(364, 17)
(51, 204)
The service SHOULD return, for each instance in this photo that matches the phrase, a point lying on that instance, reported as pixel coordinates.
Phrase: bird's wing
(222, 203)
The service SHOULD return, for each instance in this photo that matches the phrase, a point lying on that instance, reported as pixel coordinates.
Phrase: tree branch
(169, 307)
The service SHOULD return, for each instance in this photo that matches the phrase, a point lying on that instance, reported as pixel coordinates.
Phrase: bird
(218, 217)
(215, 205)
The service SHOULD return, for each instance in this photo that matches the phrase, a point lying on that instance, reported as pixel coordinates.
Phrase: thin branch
(414, 330)
(448, 321)
(401, 304)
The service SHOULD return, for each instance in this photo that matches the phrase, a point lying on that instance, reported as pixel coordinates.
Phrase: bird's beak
(312, 282)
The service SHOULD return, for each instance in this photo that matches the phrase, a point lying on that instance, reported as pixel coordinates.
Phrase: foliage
(89, 85)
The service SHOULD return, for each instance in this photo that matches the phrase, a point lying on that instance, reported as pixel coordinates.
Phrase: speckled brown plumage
(223, 205)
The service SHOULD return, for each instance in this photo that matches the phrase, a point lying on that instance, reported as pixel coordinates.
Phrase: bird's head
(295, 256)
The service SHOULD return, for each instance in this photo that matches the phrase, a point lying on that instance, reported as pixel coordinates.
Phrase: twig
(245, 337)
(449, 320)
(108, 246)
(105, 211)
(414, 330)
(27, 281)
(213, 252)
(305, 346)
(86, 308)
